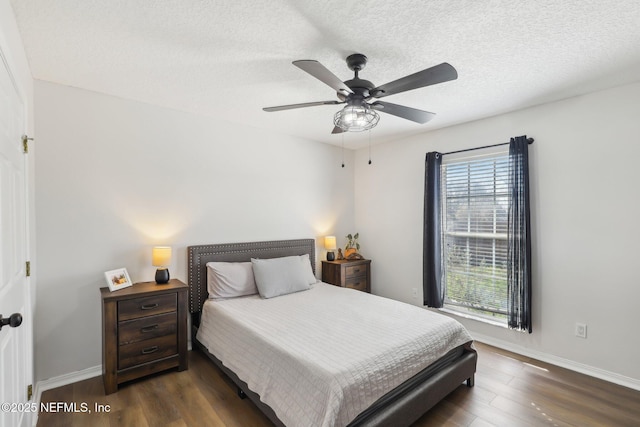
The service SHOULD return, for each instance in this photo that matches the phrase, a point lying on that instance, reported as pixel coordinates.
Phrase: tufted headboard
(198, 257)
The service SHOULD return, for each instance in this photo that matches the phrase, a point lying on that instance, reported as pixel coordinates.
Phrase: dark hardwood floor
(510, 390)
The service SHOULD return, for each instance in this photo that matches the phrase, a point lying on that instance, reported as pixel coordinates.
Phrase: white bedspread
(322, 356)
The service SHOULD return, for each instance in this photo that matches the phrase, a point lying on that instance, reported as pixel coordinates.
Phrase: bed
(341, 393)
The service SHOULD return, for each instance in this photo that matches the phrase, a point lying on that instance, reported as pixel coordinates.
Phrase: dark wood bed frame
(401, 407)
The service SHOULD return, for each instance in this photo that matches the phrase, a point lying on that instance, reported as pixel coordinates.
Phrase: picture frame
(117, 279)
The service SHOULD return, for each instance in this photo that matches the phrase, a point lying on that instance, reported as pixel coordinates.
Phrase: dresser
(144, 331)
(354, 274)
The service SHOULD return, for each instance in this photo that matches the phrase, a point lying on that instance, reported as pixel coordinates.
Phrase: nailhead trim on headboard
(198, 256)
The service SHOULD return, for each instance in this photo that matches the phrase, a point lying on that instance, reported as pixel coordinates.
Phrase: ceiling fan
(361, 95)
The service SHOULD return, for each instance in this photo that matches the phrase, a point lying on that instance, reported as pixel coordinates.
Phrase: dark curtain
(432, 253)
(519, 237)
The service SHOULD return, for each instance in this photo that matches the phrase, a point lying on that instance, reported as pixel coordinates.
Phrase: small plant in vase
(352, 247)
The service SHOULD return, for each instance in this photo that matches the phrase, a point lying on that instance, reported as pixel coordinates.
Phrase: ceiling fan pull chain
(369, 146)
(343, 150)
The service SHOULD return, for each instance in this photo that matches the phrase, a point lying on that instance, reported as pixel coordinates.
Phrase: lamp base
(162, 276)
(331, 256)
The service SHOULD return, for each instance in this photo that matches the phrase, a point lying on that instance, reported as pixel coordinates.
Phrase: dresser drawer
(147, 351)
(145, 328)
(356, 270)
(140, 307)
(359, 283)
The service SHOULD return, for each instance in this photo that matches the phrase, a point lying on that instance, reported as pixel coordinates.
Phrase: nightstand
(355, 274)
(144, 331)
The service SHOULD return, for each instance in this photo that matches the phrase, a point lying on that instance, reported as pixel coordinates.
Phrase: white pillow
(281, 276)
(230, 279)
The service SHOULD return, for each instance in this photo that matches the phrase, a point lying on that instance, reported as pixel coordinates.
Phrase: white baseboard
(55, 382)
(611, 377)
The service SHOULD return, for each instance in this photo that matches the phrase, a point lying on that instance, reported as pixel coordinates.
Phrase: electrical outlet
(414, 292)
(581, 330)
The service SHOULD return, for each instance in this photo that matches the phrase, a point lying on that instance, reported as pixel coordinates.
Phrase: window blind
(475, 207)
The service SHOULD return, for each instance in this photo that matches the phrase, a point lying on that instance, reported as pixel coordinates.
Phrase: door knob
(14, 320)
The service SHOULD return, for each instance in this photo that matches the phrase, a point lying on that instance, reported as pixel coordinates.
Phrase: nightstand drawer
(356, 270)
(131, 331)
(360, 284)
(147, 351)
(140, 307)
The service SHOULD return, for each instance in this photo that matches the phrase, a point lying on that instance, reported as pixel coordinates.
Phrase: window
(477, 234)
(475, 204)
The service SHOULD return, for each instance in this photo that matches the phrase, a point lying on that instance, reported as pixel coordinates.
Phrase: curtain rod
(529, 141)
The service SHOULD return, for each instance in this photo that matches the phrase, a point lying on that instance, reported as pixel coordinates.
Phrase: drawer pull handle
(148, 306)
(149, 328)
(150, 350)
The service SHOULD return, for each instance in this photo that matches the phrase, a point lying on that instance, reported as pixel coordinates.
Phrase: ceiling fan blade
(306, 104)
(337, 129)
(321, 73)
(431, 76)
(408, 113)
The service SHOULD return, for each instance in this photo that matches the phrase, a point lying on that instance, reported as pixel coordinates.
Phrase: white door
(15, 342)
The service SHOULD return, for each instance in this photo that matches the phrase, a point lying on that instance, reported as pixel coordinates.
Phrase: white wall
(585, 175)
(115, 177)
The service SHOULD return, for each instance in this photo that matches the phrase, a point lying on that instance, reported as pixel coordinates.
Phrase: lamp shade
(330, 242)
(161, 256)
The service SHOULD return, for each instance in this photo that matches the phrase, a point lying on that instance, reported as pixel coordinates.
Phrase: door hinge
(29, 391)
(28, 268)
(25, 143)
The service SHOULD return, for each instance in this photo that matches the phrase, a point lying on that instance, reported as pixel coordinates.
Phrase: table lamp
(161, 258)
(330, 245)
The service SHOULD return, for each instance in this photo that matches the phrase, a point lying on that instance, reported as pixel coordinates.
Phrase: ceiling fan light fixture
(356, 118)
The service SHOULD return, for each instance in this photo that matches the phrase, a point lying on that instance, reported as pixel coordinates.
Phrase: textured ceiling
(228, 59)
